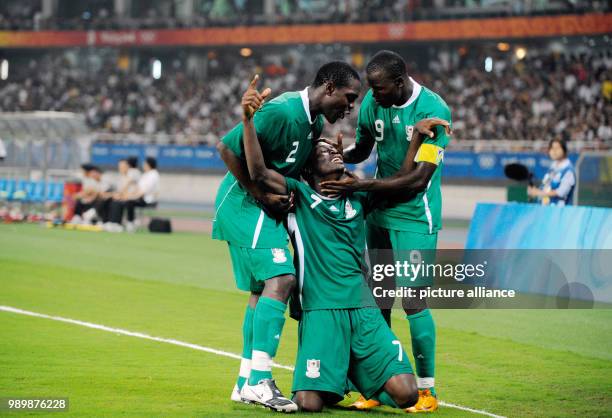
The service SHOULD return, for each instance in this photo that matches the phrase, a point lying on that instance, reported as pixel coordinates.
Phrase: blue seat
(21, 190)
(36, 192)
(9, 189)
(55, 192)
(3, 186)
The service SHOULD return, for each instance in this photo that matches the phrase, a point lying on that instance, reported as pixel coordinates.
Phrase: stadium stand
(168, 14)
(545, 95)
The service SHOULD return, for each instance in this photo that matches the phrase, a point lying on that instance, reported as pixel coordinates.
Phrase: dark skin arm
(410, 178)
(259, 173)
(358, 152)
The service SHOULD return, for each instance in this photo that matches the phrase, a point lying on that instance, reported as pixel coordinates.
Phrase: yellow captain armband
(430, 153)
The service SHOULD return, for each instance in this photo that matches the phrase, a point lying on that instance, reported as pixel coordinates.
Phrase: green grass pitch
(527, 363)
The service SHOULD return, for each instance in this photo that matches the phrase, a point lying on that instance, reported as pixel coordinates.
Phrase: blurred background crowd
(540, 96)
(148, 14)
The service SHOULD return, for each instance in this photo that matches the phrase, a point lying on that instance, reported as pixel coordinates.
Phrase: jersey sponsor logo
(396, 119)
(409, 129)
(349, 212)
(313, 368)
(278, 255)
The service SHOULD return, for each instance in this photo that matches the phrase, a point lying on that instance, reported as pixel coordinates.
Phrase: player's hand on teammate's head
(252, 99)
(426, 126)
(337, 143)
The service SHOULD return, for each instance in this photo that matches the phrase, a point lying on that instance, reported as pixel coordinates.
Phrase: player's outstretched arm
(410, 178)
(359, 151)
(259, 173)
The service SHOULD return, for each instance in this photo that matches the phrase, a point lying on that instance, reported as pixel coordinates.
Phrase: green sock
(267, 328)
(247, 346)
(384, 398)
(423, 334)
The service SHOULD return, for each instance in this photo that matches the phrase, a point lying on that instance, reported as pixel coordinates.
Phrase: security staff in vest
(559, 182)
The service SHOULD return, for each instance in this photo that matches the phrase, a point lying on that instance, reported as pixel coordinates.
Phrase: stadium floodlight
(4, 69)
(503, 46)
(488, 64)
(156, 69)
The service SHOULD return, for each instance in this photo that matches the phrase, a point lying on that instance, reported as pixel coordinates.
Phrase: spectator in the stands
(145, 195)
(91, 198)
(559, 182)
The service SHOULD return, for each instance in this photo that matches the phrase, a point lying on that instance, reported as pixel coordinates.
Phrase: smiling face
(339, 101)
(325, 160)
(385, 90)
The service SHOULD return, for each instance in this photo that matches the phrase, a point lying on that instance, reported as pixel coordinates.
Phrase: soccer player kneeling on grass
(288, 127)
(342, 333)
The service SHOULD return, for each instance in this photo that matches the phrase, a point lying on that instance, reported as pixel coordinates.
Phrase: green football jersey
(286, 133)
(391, 129)
(328, 236)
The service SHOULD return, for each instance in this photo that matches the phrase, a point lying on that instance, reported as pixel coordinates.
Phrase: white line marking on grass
(187, 345)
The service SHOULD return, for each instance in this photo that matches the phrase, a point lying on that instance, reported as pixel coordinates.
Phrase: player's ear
(330, 87)
(399, 82)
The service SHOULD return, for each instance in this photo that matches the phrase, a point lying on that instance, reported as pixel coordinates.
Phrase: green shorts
(253, 266)
(339, 344)
(412, 247)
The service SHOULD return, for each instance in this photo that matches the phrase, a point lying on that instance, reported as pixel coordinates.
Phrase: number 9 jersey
(391, 130)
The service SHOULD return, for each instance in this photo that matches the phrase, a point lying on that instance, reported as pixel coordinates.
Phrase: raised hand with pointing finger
(252, 99)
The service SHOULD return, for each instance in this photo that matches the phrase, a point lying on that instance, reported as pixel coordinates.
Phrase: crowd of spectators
(27, 14)
(540, 97)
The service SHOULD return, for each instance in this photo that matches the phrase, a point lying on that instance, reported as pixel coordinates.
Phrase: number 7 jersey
(391, 129)
(286, 133)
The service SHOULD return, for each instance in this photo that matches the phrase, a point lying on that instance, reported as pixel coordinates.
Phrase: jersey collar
(560, 165)
(416, 90)
(306, 104)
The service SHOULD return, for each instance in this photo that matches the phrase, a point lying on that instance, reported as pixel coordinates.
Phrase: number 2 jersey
(391, 129)
(328, 236)
(286, 133)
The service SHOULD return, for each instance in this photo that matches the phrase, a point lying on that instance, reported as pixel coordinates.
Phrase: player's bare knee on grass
(309, 401)
(280, 287)
(402, 388)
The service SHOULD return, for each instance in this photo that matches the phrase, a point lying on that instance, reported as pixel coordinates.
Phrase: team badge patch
(349, 212)
(313, 368)
(409, 130)
(278, 255)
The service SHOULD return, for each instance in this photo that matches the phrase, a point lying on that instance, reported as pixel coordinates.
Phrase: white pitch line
(187, 345)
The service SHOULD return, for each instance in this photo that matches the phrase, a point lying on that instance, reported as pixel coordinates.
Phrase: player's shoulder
(298, 186)
(431, 102)
(368, 100)
(282, 105)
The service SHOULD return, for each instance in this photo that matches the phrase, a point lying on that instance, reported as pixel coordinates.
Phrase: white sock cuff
(261, 361)
(245, 368)
(425, 382)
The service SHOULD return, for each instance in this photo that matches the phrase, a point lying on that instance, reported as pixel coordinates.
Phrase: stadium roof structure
(42, 125)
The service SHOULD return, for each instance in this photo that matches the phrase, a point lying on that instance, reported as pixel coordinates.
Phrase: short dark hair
(561, 142)
(132, 162)
(389, 62)
(151, 162)
(337, 72)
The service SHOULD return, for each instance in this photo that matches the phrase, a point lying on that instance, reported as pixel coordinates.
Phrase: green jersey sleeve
(365, 119)
(438, 109)
(432, 149)
(270, 123)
